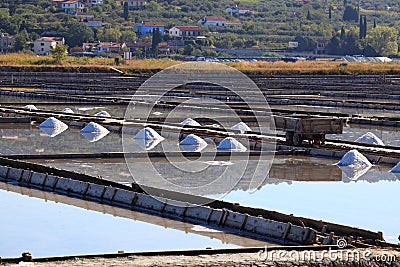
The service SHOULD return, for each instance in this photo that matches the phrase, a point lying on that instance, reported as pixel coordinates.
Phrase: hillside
(271, 26)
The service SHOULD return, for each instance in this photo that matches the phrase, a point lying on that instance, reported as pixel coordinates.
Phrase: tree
(350, 14)
(76, 33)
(21, 40)
(383, 39)
(156, 38)
(126, 11)
(308, 15)
(127, 36)
(59, 53)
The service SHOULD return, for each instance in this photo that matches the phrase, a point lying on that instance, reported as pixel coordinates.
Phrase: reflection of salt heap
(103, 114)
(242, 127)
(354, 158)
(148, 134)
(190, 122)
(67, 110)
(396, 169)
(230, 143)
(53, 127)
(193, 143)
(353, 165)
(370, 138)
(30, 107)
(94, 132)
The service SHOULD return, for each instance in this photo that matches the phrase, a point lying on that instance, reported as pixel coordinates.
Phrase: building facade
(147, 28)
(43, 45)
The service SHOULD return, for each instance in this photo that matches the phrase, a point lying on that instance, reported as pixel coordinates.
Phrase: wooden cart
(313, 129)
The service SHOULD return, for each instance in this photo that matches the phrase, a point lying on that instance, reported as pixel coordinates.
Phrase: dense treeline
(273, 24)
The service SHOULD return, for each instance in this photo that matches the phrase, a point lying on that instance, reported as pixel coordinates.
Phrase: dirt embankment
(282, 258)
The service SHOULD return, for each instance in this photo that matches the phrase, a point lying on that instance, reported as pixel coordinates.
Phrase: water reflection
(60, 225)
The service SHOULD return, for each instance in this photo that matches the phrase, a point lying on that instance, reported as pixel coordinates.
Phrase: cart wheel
(289, 138)
(320, 140)
(297, 139)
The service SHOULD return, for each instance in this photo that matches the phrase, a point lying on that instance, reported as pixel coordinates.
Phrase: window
(42, 44)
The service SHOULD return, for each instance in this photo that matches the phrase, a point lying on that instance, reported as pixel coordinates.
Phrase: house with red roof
(212, 21)
(186, 31)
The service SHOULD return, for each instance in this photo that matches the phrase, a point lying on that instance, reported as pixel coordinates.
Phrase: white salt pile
(230, 143)
(396, 169)
(93, 127)
(354, 158)
(241, 126)
(148, 134)
(103, 114)
(53, 127)
(193, 139)
(370, 138)
(193, 143)
(30, 107)
(190, 122)
(67, 110)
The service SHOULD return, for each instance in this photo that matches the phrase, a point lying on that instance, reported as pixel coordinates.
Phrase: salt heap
(396, 169)
(148, 134)
(354, 158)
(53, 127)
(67, 110)
(370, 138)
(193, 139)
(230, 143)
(241, 126)
(30, 107)
(93, 127)
(190, 122)
(103, 114)
(93, 132)
(193, 143)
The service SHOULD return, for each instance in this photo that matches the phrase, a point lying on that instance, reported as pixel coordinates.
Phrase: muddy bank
(375, 257)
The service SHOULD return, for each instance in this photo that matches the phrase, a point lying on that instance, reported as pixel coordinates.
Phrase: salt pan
(230, 143)
(67, 110)
(370, 138)
(190, 122)
(242, 127)
(148, 134)
(93, 127)
(354, 158)
(30, 107)
(103, 114)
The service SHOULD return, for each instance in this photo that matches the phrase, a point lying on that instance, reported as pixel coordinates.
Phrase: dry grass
(28, 61)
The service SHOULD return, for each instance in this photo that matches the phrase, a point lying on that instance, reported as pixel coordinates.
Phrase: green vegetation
(272, 25)
(59, 53)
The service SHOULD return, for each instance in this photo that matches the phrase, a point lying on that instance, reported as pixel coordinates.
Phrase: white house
(212, 21)
(136, 4)
(241, 10)
(6, 42)
(96, 2)
(186, 31)
(72, 6)
(103, 47)
(43, 45)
